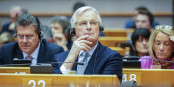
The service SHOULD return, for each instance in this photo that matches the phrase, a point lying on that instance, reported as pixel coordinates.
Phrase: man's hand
(80, 44)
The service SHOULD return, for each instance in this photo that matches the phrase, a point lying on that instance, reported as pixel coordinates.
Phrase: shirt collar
(34, 54)
(91, 51)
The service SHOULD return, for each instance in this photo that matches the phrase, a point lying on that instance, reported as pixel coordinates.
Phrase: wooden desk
(111, 41)
(15, 70)
(120, 50)
(118, 32)
(150, 77)
(57, 80)
(144, 77)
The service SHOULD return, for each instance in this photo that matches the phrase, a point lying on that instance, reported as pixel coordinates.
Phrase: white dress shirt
(90, 52)
(34, 55)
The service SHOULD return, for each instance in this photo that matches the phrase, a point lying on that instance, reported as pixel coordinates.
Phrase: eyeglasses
(87, 23)
(27, 37)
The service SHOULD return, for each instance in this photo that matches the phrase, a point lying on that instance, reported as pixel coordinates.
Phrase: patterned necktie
(28, 57)
(81, 68)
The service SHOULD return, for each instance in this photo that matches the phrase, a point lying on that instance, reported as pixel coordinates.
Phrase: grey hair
(28, 19)
(82, 9)
(63, 21)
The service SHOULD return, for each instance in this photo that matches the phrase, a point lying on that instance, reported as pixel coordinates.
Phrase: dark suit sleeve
(60, 50)
(56, 67)
(59, 58)
(7, 53)
(1, 55)
(114, 65)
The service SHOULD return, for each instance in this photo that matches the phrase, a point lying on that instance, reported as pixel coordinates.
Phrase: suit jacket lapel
(18, 53)
(41, 54)
(93, 62)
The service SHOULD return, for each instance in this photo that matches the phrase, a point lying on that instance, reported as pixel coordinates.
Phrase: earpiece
(40, 35)
(39, 28)
(101, 28)
(73, 32)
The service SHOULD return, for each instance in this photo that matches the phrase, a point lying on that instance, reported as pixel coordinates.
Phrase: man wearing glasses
(29, 43)
(97, 59)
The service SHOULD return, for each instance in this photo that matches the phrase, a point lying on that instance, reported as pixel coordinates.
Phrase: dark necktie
(81, 68)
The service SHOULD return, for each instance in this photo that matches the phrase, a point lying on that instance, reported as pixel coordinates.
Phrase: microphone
(21, 61)
(159, 60)
(47, 68)
(137, 58)
(124, 45)
(132, 61)
(18, 62)
(25, 62)
(80, 63)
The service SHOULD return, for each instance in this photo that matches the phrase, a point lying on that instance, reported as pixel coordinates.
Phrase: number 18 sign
(132, 76)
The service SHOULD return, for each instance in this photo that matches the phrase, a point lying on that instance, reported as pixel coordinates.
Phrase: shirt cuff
(64, 70)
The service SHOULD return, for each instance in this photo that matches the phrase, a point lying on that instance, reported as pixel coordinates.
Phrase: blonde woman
(161, 47)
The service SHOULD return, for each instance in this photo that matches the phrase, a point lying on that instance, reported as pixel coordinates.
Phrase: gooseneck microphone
(137, 58)
(44, 68)
(62, 63)
(26, 62)
(132, 61)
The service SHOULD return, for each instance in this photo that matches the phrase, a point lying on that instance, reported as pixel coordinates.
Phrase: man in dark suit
(29, 43)
(100, 59)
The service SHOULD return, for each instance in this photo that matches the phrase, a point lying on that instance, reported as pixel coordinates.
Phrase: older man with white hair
(97, 59)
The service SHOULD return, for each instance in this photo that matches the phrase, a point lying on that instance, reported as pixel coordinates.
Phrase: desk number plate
(36, 82)
(132, 76)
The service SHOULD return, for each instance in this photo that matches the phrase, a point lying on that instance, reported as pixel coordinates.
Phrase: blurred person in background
(60, 28)
(14, 14)
(131, 23)
(78, 5)
(161, 47)
(47, 34)
(139, 45)
(5, 37)
(144, 19)
(0, 26)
